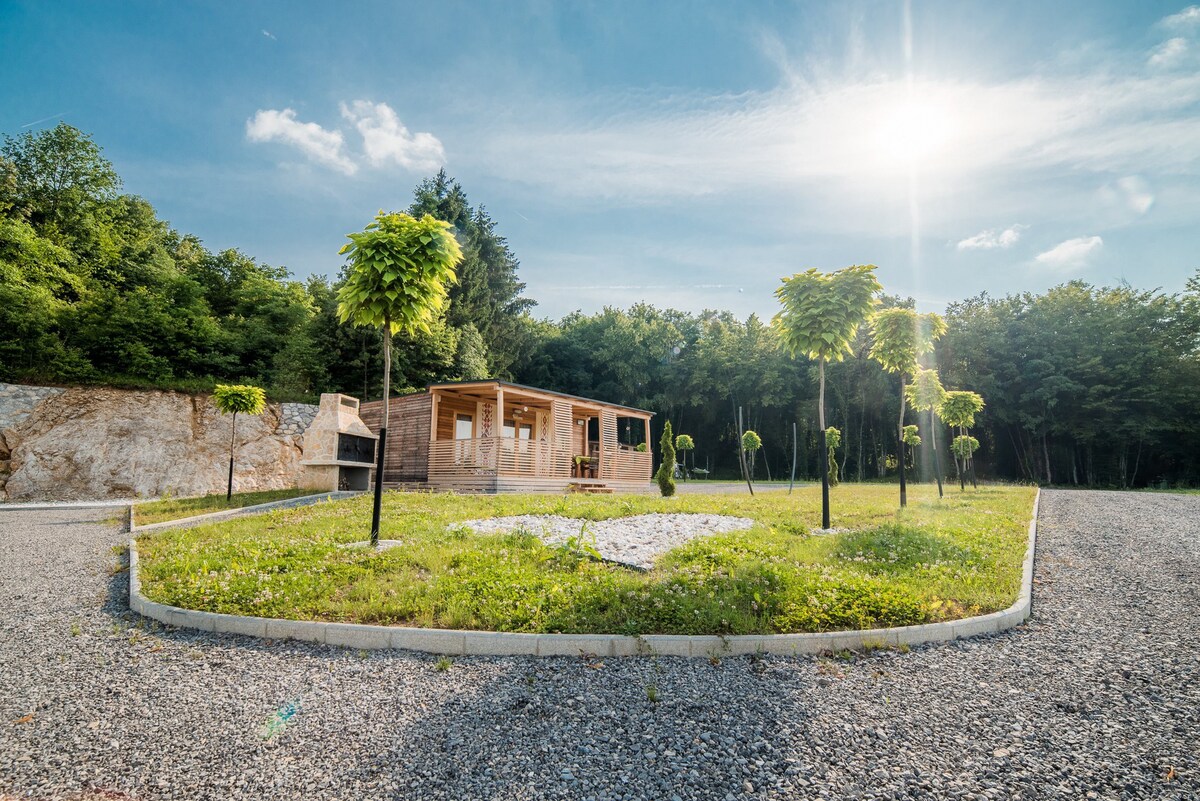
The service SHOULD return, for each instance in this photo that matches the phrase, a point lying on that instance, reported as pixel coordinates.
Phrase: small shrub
(666, 471)
(833, 441)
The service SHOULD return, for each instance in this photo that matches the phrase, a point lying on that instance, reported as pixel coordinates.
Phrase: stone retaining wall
(295, 418)
(88, 443)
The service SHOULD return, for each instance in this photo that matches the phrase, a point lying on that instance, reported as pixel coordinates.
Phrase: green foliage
(964, 446)
(958, 557)
(901, 336)
(400, 268)
(487, 295)
(833, 441)
(1079, 379)
(684, 442)
(666, 471)
(56, 173)
(641, 447)
(470, 357)
(822, 312)
(911, 437)
(925, 392)
(751, 441)
(958, 408)
(239, 399)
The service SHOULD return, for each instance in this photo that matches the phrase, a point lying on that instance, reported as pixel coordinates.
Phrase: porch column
(433, 416)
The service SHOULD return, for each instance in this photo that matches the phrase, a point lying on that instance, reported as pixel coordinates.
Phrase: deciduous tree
(958, 410)
(901, 336)
(821, 314)
(400, 269)
(232, 399)
(925, 394)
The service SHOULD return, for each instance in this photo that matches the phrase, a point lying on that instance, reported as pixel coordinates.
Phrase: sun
(915, 131)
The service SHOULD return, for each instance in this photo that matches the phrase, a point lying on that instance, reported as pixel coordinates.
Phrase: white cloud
(268, 34)
(1136, 193)
(1072, 254)
(386, 139)
(1184, 19)
(1168, 52)
(993, 238)
(846, 138)
(319, 144)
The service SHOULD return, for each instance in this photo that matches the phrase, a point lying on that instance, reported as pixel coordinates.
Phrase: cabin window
(515, 430)
(463, 426)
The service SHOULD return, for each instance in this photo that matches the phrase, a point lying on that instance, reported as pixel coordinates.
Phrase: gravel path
(1098, 697)
(636, 540)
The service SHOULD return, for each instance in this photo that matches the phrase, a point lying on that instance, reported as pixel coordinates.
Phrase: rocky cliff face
(87, 443)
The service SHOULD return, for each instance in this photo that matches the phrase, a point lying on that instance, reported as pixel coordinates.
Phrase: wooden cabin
(493, 436)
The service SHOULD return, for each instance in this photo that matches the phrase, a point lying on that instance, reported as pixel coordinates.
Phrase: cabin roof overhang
(493, 385)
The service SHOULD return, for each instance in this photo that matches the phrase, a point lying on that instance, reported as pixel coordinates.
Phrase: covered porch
(497, 436)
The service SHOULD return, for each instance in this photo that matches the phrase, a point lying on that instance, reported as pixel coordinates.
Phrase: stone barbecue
(339, 449)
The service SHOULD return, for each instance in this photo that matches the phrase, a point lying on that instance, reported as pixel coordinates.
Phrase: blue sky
(686, 154)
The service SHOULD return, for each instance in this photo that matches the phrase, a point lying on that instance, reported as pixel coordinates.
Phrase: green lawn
(936, 560)
(147, 512)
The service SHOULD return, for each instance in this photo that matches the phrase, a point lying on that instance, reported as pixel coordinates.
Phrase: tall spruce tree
(488, 294)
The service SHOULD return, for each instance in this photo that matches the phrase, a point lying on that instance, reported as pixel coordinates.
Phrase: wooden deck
(497, 485)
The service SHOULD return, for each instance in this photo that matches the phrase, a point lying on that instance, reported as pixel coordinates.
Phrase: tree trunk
(1136, 462)
(960, 466)
(937, 459)
(1020, 457)
(859, 465)
(792, 483)
(824, 448)
(377, 508)
(900, 448)
(1046, 455)
(232, 439)
(742, 452)
(971, 465)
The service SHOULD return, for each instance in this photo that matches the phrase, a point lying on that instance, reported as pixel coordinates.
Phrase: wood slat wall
(561, 437)
(491, 456)
(608, 443)
(622, 464)
(490, 485)
(407, 451)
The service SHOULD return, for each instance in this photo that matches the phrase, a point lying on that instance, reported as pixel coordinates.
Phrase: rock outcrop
(87, 443)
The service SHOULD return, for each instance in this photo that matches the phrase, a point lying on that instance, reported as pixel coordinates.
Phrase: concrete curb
(226, 514)
(491, 643)
(61, 506)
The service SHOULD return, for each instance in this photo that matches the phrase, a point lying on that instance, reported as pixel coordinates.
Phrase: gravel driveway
(1097, 697)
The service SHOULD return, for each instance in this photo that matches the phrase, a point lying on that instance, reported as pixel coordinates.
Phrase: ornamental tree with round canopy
(399, 271)
(820, 316)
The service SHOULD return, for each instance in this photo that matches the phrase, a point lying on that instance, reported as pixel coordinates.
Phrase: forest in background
(1084, 385)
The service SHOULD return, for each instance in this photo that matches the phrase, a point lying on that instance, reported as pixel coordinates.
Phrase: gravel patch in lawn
(1097, 697)
(637, 540)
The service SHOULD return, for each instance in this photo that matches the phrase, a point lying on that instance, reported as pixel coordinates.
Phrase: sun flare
(915, 130)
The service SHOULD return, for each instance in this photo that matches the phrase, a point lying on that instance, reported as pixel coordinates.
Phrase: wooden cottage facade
(494, 436)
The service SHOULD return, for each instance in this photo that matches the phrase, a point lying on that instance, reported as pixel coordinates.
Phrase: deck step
(589, 489)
